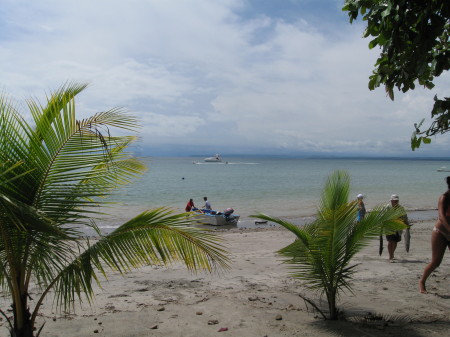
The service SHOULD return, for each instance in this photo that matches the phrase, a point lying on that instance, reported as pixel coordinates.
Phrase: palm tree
(322, 252)
(54, 177)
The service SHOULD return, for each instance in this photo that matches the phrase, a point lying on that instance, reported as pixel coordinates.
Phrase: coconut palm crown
(54, 176)
(322, 252)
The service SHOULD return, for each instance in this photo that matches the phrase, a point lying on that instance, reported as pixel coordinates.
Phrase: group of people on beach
(191, 207)
(440, 236)
(392, 239)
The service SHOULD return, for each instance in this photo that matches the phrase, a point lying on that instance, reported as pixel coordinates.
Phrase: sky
(248, 77)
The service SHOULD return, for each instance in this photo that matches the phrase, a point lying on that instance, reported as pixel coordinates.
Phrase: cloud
(235, 75)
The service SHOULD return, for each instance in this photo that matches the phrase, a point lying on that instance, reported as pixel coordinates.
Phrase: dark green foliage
(54, 175)
(321, 255)
(413, 36)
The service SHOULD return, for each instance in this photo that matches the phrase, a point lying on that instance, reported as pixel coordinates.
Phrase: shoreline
(257, 296)
(245, 222)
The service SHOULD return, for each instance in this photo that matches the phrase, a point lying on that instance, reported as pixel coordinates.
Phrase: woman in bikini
(440, 237)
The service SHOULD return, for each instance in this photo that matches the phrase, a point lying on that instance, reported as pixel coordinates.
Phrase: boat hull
(215, 159)
(216, 219)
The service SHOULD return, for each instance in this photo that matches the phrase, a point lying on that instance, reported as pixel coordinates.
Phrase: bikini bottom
(444, 234)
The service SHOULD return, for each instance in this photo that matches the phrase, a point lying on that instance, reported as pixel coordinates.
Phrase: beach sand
(258, 297)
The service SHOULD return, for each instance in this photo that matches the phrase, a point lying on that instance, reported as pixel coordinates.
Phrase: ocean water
(288, 188)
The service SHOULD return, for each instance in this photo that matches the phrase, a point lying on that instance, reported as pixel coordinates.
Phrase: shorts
(396, 237)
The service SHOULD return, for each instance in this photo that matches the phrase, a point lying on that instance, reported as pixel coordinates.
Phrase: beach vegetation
(55, 174)
(323, 250)
(414, 40)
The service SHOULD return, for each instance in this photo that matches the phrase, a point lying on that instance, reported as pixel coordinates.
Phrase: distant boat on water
(443, 169)
(215, 159)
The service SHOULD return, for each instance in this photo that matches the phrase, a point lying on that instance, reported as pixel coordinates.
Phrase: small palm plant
(54, 175)
(323, 250)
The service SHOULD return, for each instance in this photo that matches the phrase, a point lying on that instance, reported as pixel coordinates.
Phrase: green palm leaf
(322, 253)
(154, 237)
(54, 178)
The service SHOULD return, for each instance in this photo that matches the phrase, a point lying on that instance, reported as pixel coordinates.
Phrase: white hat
(359, 196)
(394, 197)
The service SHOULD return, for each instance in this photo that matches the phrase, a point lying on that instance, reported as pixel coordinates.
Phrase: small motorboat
(215, 159)
(214, 218)
(443, 169)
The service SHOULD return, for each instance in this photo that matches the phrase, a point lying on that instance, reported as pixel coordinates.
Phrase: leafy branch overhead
(414, 40)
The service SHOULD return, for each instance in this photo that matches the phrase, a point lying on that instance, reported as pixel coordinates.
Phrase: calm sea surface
(288, 188)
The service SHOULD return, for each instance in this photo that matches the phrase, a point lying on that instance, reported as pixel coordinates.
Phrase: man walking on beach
(207, 203)
(396, 237)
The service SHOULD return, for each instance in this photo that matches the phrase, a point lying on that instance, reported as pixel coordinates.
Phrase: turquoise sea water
(288, 188)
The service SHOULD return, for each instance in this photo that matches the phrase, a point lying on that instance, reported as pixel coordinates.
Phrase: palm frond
(322, 253)
(45, 116)
(51, 174)
(301, 233)
(25, 217)
(14, 140)
(336, 191)
(381, 220)
(79, 160)
(157, 236)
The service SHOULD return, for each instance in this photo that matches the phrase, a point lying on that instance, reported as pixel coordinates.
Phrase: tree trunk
(25, 327)
(25, 331)
(331, 296)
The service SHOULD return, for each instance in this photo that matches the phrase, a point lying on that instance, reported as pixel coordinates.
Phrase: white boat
(443, 169)
(214, 159)
(214, 218)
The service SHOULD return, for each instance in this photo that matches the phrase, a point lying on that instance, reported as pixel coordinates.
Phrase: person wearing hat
(396, 237)
(361, 207)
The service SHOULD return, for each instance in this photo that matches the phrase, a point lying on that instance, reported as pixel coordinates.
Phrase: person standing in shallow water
(361, 207)
(395, 238)
(189, 205)
(207, 203)
(440, 237)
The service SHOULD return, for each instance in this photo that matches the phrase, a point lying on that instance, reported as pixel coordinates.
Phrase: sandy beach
(258, 297)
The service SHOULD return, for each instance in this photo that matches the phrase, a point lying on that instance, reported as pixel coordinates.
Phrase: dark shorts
(396, 237)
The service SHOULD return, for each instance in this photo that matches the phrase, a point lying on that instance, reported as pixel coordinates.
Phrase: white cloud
(201, 72)
(157, 125)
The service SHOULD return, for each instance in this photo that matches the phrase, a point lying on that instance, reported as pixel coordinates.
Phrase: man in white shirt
(207, 203)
